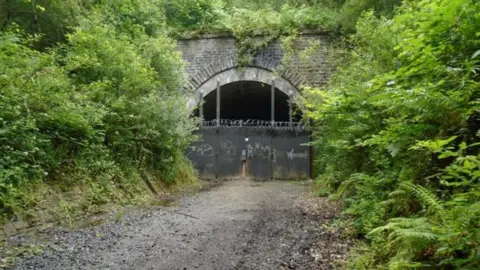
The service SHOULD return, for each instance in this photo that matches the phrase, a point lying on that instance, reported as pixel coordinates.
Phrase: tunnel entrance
(250, 129)
(249, 100)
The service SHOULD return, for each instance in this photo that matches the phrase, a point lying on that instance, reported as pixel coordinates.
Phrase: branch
(35, 16)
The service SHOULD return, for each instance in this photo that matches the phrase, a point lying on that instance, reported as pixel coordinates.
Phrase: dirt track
(238, 225)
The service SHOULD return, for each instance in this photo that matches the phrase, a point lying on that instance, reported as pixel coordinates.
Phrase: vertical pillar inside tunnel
(218, 103)
(272, 113)
(201, 108)
(290, 109)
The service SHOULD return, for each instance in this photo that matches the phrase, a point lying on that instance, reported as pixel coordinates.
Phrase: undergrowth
(397, 134)
(77, 112)
(255, 24)
(89, 98)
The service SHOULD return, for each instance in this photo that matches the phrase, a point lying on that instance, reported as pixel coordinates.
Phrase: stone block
(74, 192)
(9, 229)
(72, 197)
(20, 225)
(42, 217)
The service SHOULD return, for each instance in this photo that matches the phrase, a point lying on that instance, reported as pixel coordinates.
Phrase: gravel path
(238, 225)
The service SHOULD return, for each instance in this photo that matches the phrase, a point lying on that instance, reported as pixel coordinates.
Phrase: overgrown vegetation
(89, 96)
(89, 89)
(254, 24)
(397, 134)
(250, 17)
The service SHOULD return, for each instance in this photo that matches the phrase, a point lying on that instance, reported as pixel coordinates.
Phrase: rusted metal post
(218, 103)
(272, 105)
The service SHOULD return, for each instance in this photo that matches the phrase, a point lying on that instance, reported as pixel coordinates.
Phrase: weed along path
(237, 225)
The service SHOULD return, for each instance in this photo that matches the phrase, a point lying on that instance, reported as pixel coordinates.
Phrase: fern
(401, 223)
(427, 197)
(407, 237)
(345, 186)
(412, 234)
(402, 263)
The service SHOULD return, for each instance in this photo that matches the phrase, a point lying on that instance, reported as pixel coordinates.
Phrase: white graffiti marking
(260, 151)
(250, 151)
(300, 155)
(208, 168)
(228, 151)
(204, 150)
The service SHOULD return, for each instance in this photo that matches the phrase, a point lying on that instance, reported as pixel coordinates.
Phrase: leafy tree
(98, 107)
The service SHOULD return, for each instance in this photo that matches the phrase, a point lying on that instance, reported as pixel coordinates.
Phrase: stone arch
(262, 60)
(242, 74)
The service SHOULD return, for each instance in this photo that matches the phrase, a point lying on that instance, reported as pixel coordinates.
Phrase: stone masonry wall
(42, 216)
(207, 56)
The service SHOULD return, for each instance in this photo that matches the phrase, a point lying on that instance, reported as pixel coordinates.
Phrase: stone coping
(304, 32)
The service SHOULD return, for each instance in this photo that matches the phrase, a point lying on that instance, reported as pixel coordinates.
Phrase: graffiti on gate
(259, 150)
(203, 150)
(209, 167)
(299, 155)
(261, 153)
(227, 152)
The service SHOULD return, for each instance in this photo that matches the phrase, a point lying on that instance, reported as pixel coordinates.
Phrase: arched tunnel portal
(247, 93)
(249, 127)
(249, 100)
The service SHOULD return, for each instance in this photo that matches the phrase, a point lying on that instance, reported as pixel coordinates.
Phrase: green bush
(397, 129)
(198, 15)
(99, 110)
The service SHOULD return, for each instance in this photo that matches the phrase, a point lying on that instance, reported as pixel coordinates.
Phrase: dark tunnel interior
(247, 100)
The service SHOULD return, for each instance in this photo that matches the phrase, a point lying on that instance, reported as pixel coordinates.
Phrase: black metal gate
(256, 150)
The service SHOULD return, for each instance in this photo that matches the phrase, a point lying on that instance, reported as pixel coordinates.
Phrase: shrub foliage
(397, 132)
(97, 106)
(89, 95)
